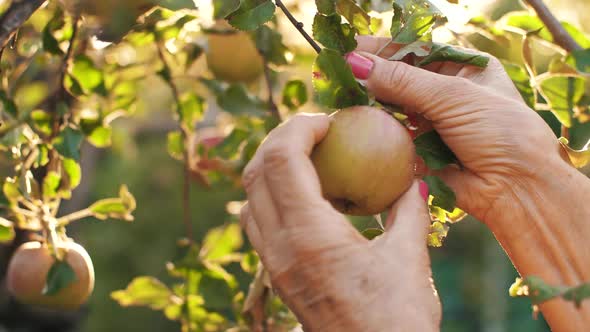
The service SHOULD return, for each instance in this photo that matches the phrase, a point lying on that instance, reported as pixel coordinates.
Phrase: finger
(251, 228)
(383, 45)
(501, 83)
(435, 96)
(289, 173)
(409, 219)
(387, 49)
(467, 187)
(260, 202)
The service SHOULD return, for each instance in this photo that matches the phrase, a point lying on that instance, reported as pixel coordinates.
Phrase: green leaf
(295, 94)
(438, 232)
(536, 289)
(8, 105)
(117, 208)
(146, 292)
(193, 305)
(269, 43)
(222, 241)
(51, 184)
(252, 14)
(73, 86)
(527, 22)
(42, 157)
(355, 15)
(580, 59)
(230, 146)
(444, 197)
(85, 72)
(522, 81)
(28, 96)
(11, 190)
(101, 136)
(50, 43)
(60, 276)
(173, 28)
(68, 143)
(329, 31)
(577, 294)
(334, 83)
(222, 8)
(176, 145)
(434, 151)
(326, 7)
(6, 230)
(249, 262)
(42, 121)
(372, 233)
(562, 93)
(236, 100)
(413, 20)
(72, 172)
(4, 202)
(189, 265)
(216, 291)
(177, 4)
(442, 52)
(192, 108)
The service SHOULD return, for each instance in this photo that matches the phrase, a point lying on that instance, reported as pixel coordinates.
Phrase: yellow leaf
(579, 158)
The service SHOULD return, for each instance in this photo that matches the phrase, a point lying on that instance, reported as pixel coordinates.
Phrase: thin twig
(299, 26)
(560, 36)
(62, 94)
(15, 16)
(186, 177)
(67, 60)
(274, 109)
(66, 220)
(187, 170)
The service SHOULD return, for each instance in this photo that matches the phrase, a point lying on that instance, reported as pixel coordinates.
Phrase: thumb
(409, 220)
(399, 83)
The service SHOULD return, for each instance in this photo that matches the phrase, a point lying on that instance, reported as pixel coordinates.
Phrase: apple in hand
(365, 162)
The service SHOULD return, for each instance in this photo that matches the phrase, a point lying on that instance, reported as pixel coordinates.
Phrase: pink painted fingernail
(361, 66)
(424, 191)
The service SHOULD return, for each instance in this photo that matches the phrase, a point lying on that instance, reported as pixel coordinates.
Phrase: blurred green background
(471, 271)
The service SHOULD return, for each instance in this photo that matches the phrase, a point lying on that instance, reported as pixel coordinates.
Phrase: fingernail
(361, 66)
(424, 191)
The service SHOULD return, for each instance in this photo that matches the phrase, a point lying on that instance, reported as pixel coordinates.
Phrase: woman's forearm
(546, 234)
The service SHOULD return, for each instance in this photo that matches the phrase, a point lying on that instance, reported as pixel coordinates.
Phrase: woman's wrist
(544, 226)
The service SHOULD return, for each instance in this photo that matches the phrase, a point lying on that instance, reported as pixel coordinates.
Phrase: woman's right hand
(502, 144)
(515, 178)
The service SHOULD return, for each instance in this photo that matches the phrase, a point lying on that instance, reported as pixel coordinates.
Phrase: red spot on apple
(211, 142)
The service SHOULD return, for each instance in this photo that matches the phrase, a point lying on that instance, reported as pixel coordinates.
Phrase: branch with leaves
(15, 16)
(560, 36)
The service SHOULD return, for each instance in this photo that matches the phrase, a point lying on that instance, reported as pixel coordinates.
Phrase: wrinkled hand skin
(324, 270)
(514, 180)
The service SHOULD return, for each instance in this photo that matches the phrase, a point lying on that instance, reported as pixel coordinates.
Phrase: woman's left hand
(324, 270)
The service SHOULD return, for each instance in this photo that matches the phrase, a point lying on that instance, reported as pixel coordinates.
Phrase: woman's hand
(514, 178)
(324, 270)
(479, 114)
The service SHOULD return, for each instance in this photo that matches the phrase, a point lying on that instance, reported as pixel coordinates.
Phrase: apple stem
(299, 26)
(48, 223)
